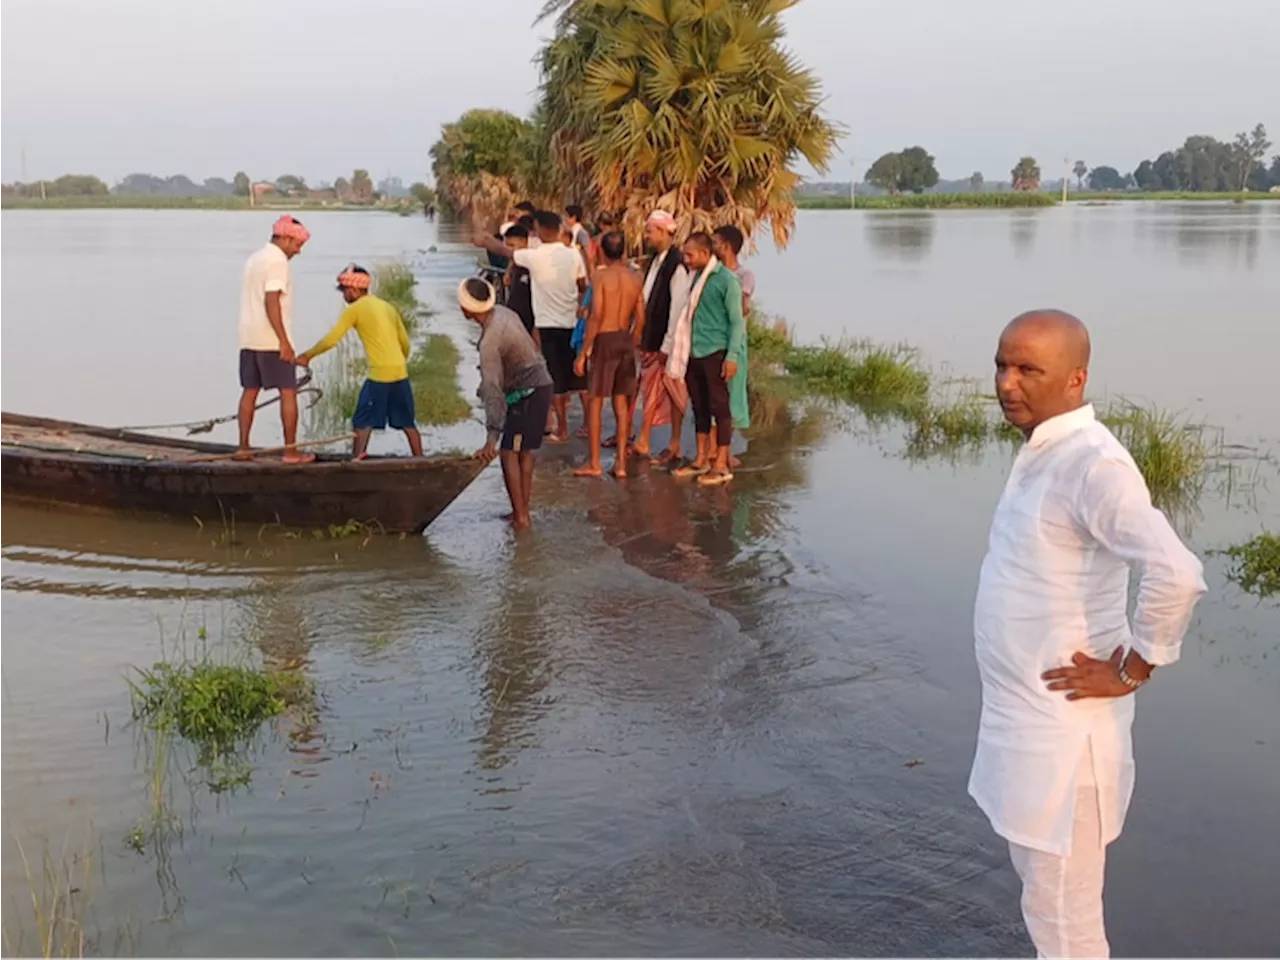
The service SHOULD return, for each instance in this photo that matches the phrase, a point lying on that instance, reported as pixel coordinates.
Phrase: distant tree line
(1201, 165)
(358, 189)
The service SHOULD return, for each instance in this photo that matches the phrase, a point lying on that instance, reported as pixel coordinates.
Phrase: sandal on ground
(690, 470)
(715, 478)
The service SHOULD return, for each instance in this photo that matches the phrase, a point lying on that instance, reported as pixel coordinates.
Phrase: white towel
(682, 334)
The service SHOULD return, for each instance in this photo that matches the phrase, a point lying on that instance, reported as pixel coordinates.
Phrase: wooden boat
(77, 465)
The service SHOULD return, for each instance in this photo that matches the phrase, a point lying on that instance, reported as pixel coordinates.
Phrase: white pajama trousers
(1062, 896)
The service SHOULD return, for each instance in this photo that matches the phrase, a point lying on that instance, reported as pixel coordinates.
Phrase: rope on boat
(194, 427)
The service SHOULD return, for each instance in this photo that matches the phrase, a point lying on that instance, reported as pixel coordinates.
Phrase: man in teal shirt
(717, 337)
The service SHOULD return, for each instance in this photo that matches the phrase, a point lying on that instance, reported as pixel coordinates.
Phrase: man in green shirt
(717, 338)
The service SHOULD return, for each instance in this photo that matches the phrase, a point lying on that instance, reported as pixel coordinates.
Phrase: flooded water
(670, 720)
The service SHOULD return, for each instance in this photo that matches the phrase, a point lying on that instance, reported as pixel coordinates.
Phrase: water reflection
(1023, 227)
(900, 235)
(1228, 234)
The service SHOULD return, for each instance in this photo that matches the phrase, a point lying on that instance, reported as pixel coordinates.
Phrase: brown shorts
(613, 365)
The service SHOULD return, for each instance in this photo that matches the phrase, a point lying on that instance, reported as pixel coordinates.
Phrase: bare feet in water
(620, 470)
(587, 470)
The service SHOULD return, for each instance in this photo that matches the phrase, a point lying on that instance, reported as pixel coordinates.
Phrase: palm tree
(1080, 169)
(1026, 175)
(692, 106)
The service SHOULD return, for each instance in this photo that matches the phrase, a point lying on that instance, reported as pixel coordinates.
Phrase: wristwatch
(1129, 681)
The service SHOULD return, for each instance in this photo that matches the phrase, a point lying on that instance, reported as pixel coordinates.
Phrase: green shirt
(718, 322)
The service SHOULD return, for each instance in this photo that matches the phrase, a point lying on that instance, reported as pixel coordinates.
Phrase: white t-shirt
(267, 271)
(555, 271)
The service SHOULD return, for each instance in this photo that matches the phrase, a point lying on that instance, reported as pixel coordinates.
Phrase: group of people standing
(654, 344)
(1059, 657)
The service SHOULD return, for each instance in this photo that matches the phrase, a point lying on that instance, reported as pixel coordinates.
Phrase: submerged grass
(216, 707)
(871, 376)
(1255, 565)
(58, 890)
(950, 425)
(1171, 454)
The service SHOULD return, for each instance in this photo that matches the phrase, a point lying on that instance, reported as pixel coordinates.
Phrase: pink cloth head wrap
(356, 281)
(660, 218)
(286, 226)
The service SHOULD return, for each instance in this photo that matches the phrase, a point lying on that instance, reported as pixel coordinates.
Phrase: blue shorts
(383, 403)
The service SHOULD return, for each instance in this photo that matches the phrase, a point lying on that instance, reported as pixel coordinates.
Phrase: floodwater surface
(667, 721)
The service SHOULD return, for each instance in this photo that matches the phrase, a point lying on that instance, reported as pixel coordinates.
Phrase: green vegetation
(931, 201)
(433, 370)
(1207, 165)
(695, 107)
(1255, 565)
(1171, 454)
(1026, 174)
(949, 426)
(908, 171)
(217, 708)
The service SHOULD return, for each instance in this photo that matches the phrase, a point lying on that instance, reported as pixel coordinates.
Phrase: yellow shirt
(386, 342)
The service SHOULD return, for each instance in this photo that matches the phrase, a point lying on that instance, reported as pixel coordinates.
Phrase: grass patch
(949, 426)
(871, 376)
(216, 708)
(394, 282)
(931, 201)
(1255, 565)
(1172, 455)
(433, 370)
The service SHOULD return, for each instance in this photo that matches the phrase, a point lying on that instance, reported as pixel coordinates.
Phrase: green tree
(1144, 176)
(342, 189)
(976, 181)
(1026, 175)
(1251, 148)
(423, 194)
(1080, 169)
(479, 163)
(695, 107)
(1273, 175)
(909, 171)
(1105, 178)
(241, 184)
(361, 187)
(76, 185)
(291, 185)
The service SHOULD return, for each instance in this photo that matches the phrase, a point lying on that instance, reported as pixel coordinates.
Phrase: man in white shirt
(1058, 657)
(266, 334)
(559, 279)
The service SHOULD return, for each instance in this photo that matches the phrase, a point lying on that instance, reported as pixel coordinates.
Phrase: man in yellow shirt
(387, 395)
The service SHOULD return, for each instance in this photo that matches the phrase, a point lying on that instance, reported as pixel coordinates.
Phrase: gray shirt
(509, 361)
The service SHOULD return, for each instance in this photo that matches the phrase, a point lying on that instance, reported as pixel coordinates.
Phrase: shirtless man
(613, 333)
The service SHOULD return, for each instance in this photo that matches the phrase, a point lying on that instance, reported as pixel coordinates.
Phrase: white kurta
(1075, 516)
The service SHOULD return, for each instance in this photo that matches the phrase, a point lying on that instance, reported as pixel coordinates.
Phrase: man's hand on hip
(1087, 677)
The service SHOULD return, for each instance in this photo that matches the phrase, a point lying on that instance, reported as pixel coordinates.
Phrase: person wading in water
(516, 390)
(613, 331)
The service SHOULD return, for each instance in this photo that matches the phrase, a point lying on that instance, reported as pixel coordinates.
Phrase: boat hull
(103, 469)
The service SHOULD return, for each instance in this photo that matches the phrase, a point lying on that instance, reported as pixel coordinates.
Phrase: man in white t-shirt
(266, 342)
(559, 279)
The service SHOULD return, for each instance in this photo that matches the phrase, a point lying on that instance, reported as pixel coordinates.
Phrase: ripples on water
(670, 721)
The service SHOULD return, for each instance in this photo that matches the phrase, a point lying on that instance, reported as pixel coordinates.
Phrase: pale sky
(320, 87)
